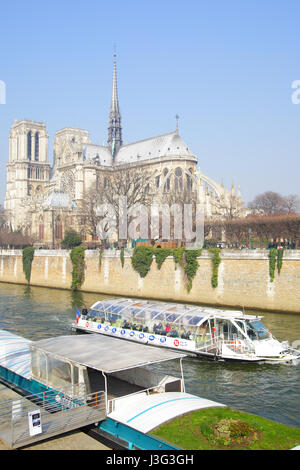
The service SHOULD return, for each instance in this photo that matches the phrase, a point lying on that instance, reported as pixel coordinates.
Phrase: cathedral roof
(97, 154)
(165, 145)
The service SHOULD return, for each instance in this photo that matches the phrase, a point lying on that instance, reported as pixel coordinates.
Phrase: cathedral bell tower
(28, 167)
(114, 140)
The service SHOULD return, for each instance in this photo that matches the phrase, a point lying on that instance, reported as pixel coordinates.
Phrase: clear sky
(225, 66)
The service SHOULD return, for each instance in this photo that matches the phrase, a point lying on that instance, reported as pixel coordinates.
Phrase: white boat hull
(178, 344)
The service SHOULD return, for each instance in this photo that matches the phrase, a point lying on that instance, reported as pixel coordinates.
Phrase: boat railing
(236, 345)
(111, 406)
(59, 413)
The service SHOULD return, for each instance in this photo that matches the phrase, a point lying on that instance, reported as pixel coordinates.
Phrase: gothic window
(106, 182)
(41, 230)
(29, 191)
(189, 181)
(58, 228)
(29, 145)
(178, 180)
(167, 181)
(157, 180)
(68, 183)
(36, 147)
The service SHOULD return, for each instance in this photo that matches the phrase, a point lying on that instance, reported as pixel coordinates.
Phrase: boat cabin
(180, 326)
(85, 364)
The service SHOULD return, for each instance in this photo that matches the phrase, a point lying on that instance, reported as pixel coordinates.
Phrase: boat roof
(15, 353)
(104, 353)
(189, 315)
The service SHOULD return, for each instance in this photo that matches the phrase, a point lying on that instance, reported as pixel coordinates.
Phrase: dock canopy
(103, 353)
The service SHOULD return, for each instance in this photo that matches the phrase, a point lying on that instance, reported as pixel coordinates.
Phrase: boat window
(195, 320)
(38, 365)
(173, 317)
(258, 329)
(160, 317)
(241, 324)
(59, 372)
(153, 314)
(92, 314)
(75, 374)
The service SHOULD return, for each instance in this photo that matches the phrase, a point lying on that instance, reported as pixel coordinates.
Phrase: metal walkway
(58, 414)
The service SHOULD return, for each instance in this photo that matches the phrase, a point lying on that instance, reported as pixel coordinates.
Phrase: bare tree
(178, 200)
(3, 217)
(268, 203)
(128, 185)
(291, 204)
(88, 210)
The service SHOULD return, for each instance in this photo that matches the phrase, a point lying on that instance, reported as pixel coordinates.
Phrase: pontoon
(73, 381)
(199, 331)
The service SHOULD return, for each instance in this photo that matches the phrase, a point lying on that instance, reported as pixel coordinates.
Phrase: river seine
(271, 391)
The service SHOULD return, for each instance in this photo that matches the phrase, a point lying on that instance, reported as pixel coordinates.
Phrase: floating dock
(110, 385)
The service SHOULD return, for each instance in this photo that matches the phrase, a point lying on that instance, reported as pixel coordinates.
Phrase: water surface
(271, 391)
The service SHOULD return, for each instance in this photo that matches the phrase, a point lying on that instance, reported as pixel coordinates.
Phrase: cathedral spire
(114, 125)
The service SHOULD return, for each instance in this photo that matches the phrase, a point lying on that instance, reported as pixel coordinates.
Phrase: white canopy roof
(104, 353)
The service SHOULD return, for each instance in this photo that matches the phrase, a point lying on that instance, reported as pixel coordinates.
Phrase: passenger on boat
(186, 335)
(173, 333)
(251, 333)
(158, 329)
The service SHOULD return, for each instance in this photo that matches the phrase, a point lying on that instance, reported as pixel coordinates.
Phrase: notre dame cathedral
(42, 200)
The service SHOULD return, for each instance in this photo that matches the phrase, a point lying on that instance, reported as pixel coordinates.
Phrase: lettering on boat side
(163, 341)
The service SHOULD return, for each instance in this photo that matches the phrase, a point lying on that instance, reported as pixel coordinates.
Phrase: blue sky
(225, 66)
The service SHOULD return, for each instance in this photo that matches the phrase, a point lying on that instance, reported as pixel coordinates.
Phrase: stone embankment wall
(243, 279)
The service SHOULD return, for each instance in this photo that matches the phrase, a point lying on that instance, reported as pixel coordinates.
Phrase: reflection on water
(271, 391)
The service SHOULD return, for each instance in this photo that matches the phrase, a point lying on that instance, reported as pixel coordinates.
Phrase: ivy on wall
(143, 255)
(27, 258)
(216, 260)
(178, 256)
(122, 257)
(100, 258)
(275, 259)
(191, 266)
(141, 259)
(279, 260)
(272, 263)
(77, 258)
(160, 255)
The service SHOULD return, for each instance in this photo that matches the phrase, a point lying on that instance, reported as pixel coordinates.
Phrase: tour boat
(198, 331)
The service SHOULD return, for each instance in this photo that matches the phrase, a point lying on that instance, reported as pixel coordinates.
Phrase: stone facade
(44, 200)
